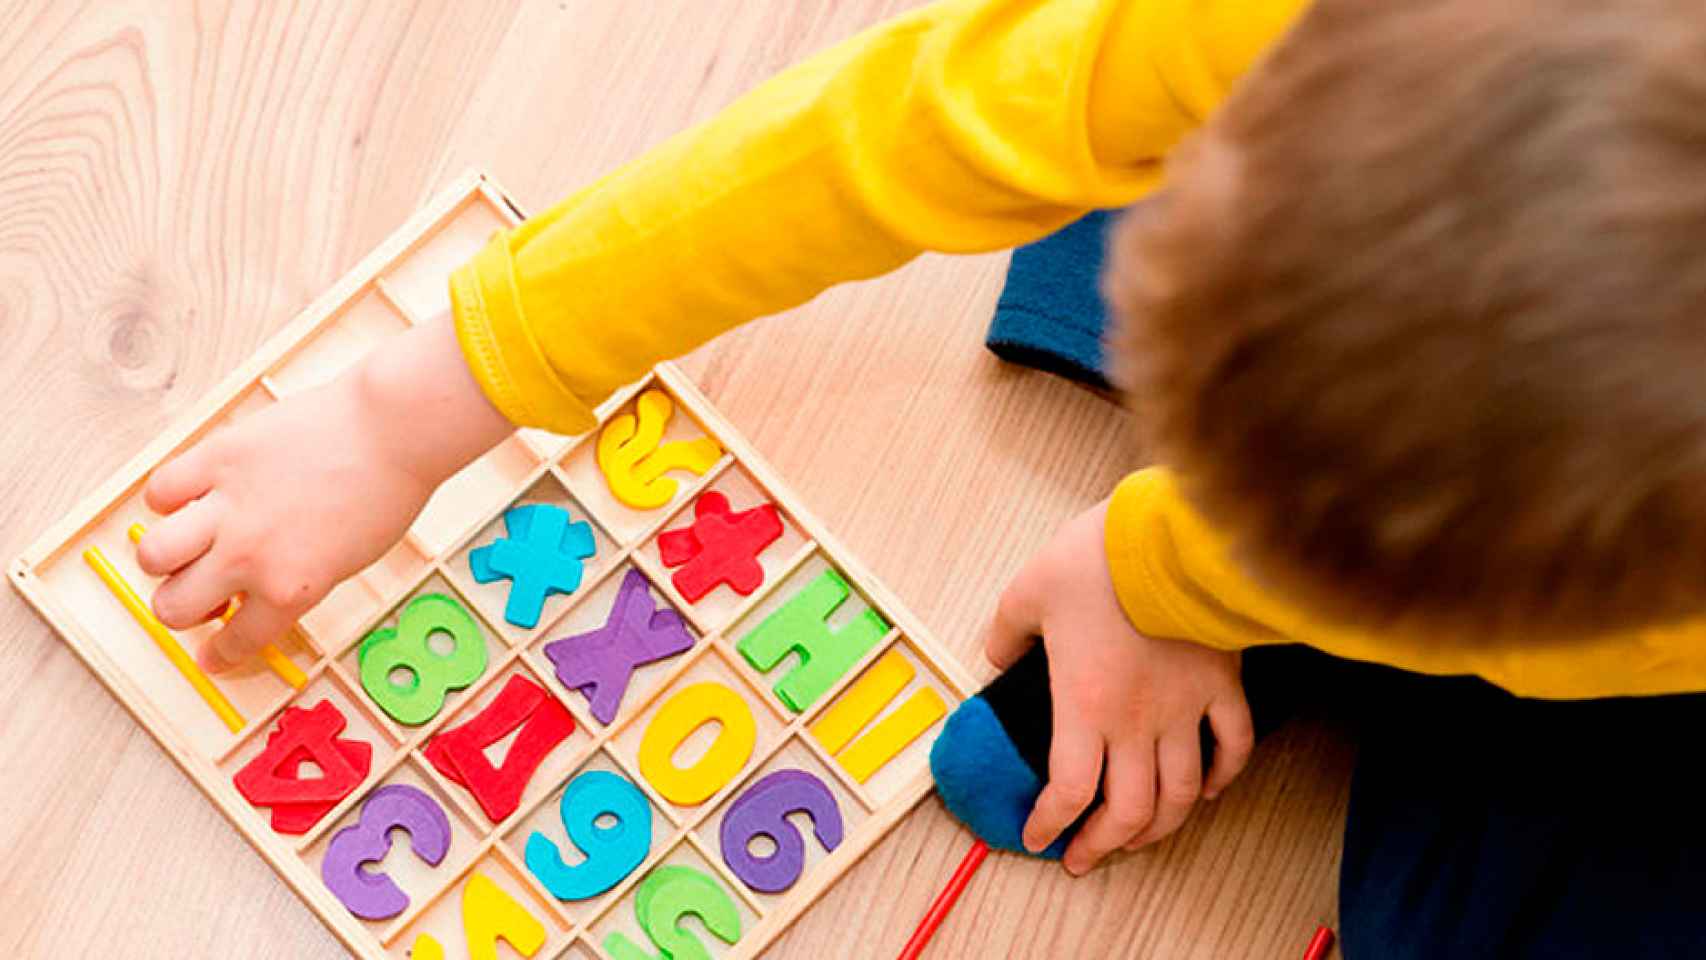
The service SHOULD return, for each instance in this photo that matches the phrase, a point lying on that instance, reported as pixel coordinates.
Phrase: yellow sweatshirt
(967, 125)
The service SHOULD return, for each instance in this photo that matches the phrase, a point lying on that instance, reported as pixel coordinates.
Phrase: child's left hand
(1126, 707)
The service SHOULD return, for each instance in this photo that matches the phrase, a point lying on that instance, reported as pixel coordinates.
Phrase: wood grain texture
(177, 179)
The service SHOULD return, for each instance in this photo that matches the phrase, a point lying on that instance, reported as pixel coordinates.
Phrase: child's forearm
(961, 126)
(426, 405)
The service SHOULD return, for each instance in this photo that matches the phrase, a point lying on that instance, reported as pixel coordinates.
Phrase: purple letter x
(636, 633)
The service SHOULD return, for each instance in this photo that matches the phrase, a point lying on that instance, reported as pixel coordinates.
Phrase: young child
(1417, 326)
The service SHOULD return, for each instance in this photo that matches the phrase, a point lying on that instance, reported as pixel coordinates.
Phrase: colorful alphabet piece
(460, 752)
(720, 547)
(600, 663)
(541, 554)
(801, 626)
(489, 914)
(369, 894)
(634, 464)
(611, 852)
(273, 778)
(668, 894)
(684, 712)
(427, 675)
(860, 703)
(762, 811)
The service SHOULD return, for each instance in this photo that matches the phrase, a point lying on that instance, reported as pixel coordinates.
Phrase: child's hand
(1126, 707)
(283, 505)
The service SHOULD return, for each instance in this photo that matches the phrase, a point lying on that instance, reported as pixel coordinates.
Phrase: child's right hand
(1127, 708)
(285, 504)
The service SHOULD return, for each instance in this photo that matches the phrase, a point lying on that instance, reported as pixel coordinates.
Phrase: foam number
(634, 464)
(368, 894)
(800, 626)
(683, 713)
(489, 914)
(460, 753)
(273, 778)
(667, 895)
(762, 811)
(611, 852)
(430, 675)
(878, 687)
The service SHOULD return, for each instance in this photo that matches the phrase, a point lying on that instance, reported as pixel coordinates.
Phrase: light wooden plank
(180, 181)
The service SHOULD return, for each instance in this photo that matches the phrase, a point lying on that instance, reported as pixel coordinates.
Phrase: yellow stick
(287, 671)
(162, 638)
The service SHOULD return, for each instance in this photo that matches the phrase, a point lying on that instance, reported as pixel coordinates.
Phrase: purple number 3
(763, 811)
(375, 896)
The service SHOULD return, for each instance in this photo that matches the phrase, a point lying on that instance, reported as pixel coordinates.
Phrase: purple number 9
(763, 811)
(375, 896)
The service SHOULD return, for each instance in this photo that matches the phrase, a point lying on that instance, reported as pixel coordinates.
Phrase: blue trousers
(1485, 825)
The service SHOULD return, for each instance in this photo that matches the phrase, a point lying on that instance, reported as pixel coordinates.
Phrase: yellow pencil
(287, 671)
(162, 638)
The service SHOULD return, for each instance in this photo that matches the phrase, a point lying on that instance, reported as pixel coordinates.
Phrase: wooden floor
(177, 179)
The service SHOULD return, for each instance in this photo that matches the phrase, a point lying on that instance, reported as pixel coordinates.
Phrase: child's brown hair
(1420, 318)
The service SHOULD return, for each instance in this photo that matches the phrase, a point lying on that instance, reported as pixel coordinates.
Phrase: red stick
(945, 901)
(1320, 945)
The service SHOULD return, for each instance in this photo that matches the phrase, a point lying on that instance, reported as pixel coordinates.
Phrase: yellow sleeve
(967, 125)
(1176, 577)
(1171, 571)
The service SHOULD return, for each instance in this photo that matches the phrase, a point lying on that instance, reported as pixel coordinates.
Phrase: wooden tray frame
(569, 937)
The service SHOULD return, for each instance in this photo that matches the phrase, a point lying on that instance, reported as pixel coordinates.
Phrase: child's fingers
(255, 625)
(1015, 625)
(178, 481)
(1234, 739)
(186, 597)
(178, 540)
(1178, 758)
(1074, 772)
(1128, 805)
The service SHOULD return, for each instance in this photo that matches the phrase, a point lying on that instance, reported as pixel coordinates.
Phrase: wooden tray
(401, 283)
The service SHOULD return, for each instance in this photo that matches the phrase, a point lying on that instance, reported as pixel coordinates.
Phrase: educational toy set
(606, 683)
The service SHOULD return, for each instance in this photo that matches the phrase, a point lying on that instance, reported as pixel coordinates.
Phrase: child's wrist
(424, 411)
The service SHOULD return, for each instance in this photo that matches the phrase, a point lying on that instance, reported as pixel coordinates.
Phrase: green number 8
(431, 675)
